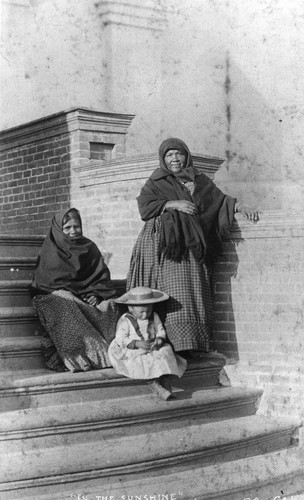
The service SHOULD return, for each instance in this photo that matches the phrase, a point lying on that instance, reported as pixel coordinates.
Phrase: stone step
(19, 391)
(17, 268)
(20, 353)
(276, 475)
(17, 321)
(160, 445)
(15, 293)
(15, 246)
(203, 404)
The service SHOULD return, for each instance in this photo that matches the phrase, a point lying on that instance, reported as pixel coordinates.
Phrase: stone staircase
(96, 434)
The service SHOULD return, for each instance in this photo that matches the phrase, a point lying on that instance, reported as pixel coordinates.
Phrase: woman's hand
(247, 212)
(93, 301)
(143, 344)
(182, 206)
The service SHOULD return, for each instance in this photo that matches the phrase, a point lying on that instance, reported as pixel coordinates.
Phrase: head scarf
(181, 233)
(75, 265)
(188, 172)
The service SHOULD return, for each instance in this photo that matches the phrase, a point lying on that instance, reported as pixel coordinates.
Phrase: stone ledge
(20, 240)
(136, 167)
(72, 120)
(137, 14)
(272, 224)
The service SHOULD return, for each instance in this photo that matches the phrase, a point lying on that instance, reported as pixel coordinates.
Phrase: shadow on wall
(223, 338)
(254, 141)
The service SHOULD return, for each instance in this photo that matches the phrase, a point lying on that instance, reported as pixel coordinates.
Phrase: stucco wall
(225, 76)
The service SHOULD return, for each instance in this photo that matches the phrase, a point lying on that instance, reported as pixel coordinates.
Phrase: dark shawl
(73, 265)
(182, 232)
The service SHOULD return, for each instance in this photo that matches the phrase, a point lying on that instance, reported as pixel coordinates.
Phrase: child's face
(141, 312)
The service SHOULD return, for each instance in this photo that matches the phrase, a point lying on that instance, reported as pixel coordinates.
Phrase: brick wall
(34, 182)
(37, 162)
(259, 309)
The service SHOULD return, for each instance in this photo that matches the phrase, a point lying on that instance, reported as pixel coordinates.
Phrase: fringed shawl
(181, 233)
(74, 265)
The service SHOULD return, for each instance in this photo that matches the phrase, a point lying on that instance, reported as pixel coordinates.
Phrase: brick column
(37, 161)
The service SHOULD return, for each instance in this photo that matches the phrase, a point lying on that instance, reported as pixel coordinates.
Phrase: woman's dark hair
(71, 214)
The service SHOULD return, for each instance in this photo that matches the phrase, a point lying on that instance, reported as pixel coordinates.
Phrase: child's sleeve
(159, 327)
(122, 335)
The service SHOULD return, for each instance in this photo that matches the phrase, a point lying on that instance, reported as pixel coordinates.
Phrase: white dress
(136, 363)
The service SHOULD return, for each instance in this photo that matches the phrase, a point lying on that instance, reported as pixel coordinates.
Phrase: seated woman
(73, 297)
(185, 217)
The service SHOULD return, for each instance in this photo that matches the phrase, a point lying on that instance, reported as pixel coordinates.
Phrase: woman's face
(72, 228)
(175, 160)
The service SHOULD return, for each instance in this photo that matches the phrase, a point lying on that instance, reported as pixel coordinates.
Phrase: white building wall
(225, 76)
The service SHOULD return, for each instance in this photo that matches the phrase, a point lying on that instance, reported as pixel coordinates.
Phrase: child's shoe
(160, 390)
(165, 382)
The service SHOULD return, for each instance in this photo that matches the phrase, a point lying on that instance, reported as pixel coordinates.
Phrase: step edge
(14, 284)
(32, 383)
(8, 238)
(17, 312)
(16, 260)
(22, 343)
(72, 428)
(116, 488)
(145, 466)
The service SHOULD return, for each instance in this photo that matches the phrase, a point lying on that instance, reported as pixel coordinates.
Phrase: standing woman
(185, 217)
(73, 294)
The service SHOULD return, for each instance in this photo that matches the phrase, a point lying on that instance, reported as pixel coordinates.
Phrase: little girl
(139, 349)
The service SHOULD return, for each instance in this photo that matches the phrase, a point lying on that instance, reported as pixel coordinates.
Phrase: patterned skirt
(188, 314)
(76, 336)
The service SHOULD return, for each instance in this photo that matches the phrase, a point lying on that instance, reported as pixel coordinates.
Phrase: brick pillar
(37, 161)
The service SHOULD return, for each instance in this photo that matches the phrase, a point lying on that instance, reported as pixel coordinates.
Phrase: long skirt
(188, 314)
(76, 335)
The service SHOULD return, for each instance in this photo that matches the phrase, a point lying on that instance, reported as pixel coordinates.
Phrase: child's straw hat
(142, 295)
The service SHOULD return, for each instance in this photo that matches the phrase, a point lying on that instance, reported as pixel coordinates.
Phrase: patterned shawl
(74, 265)
(181, 233)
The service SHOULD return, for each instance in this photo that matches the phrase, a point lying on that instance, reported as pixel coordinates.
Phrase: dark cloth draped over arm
(182, 232)
(73, 265)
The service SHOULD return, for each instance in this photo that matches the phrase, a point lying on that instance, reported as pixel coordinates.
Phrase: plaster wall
(226, 76)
